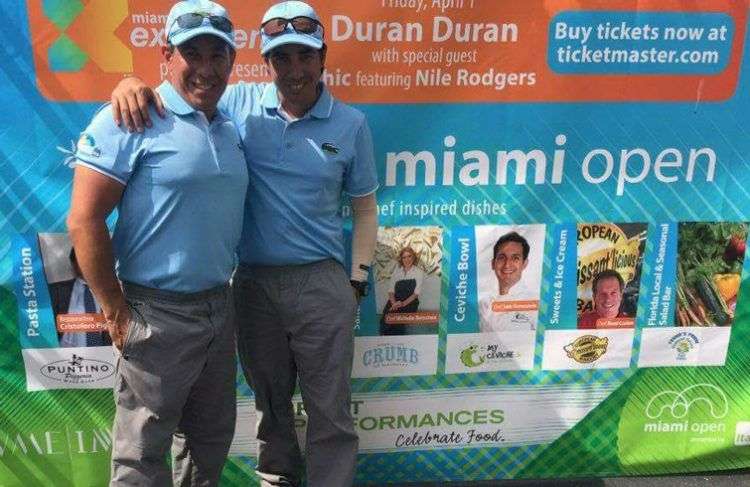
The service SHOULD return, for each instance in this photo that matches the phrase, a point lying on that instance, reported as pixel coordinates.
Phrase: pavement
(734, 478)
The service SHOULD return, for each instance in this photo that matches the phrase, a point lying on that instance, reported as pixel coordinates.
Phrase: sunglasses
(302, 25)
(193, 20)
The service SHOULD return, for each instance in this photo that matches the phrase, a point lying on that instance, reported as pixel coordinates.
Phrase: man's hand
(117, 324)
(130, 101)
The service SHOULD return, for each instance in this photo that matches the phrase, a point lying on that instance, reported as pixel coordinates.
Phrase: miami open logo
(678, 404)
(694, 409)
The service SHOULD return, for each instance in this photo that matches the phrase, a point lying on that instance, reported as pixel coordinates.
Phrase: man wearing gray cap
(295, 304)
(162, 279)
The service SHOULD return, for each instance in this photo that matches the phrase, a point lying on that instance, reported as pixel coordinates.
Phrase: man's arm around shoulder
(132, 98)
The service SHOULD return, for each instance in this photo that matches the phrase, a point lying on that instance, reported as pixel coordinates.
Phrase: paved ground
(738, 478)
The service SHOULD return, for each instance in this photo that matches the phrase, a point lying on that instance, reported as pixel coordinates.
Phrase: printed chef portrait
(610, 256)
(78, 319)
(407, 268)
(509, 261)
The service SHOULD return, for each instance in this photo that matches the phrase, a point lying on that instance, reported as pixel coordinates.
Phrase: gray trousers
(175, 385)
(298, 321)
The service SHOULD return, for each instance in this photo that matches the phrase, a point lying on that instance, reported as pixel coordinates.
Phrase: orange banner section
(503, 306)
(379, 51)
(82, 322)
(615, 322)
(418, 318)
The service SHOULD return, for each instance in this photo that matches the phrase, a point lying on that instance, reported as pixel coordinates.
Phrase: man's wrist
(360, 272)
(360, 287)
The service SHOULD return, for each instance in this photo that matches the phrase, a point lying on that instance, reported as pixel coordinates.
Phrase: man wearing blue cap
(295, 305)
(162, 279)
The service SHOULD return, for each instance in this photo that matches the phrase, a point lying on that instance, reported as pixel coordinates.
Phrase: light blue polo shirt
(180, 216)
(298, 171)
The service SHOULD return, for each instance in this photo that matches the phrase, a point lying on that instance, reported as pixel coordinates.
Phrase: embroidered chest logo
(330, 148)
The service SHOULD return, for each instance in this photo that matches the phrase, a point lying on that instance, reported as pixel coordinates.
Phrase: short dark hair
(72, 256)
(607, 273)
(511, 237)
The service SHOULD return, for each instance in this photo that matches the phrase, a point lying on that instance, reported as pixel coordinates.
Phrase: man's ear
(323, 51)
(167, 52)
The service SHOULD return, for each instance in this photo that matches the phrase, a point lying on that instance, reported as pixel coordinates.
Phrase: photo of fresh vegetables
(709, 268)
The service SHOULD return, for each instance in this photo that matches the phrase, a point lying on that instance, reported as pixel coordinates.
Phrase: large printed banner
(560, 285)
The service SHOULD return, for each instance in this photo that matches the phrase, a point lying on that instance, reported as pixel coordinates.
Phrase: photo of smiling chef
(610, 256)
(509, 272)
(407, 270)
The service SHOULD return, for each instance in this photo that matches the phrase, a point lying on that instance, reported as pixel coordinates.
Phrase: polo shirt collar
(177, 104)
(173, 100)
(321, 109)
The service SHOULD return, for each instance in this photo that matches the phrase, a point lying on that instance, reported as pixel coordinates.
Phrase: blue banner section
(462, 295)
(655, 162)
(659, 294)
(560, 312)
(366, 319)
(36, 327)
(640, 42)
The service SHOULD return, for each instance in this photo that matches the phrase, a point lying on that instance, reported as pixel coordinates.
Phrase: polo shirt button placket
(208, 129)
(215, 131)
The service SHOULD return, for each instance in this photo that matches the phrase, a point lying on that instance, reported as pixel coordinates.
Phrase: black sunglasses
(303, 25)
(193, 20)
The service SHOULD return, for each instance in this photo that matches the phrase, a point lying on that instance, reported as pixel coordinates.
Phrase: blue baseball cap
(206, 9)
(289, 10)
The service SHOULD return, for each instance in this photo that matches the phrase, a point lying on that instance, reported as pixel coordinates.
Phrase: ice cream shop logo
(78, 370)
(587, 349)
